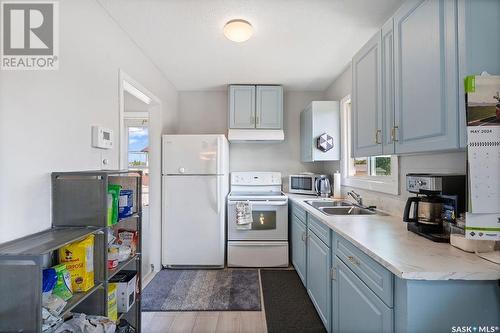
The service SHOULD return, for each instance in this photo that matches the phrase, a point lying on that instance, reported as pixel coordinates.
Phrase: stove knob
(182, 170)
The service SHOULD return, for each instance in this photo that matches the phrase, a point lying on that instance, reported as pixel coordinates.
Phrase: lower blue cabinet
(318, 277)
(355, 308)
(298, 235)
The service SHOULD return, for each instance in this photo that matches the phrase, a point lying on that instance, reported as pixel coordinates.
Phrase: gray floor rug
(203, 290)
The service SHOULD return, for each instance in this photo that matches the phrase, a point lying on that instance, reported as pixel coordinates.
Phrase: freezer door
(193, 220)
(192, 154)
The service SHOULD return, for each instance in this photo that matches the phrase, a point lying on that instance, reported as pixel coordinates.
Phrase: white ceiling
(302, 44)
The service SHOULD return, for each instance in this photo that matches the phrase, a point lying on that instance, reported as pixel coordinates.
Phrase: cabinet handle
(333, 273)
(393, 133)
(353, 260)
(252, 120)
(377, 136)
(304, 238)
(257, 120)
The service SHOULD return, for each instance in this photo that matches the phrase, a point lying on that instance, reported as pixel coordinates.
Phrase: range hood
(255, 135)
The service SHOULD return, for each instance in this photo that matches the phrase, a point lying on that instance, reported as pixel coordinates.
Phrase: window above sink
(376, 173)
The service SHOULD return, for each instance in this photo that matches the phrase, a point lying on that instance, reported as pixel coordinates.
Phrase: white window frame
(385, 184)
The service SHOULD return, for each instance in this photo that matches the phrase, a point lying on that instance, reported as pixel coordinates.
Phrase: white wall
(45, 116)
(205, 112)
(437, 162)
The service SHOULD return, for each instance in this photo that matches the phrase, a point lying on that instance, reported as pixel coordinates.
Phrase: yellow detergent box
(112, 305)
(79, 260)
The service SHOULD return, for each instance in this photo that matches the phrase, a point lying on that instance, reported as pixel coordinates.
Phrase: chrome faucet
(356, 197)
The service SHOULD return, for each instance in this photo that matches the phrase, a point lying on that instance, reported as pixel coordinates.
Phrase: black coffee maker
(440, 198)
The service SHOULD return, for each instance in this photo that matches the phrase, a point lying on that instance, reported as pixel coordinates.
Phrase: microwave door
(302, 184)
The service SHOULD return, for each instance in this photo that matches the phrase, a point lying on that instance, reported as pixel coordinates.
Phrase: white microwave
(303, 184)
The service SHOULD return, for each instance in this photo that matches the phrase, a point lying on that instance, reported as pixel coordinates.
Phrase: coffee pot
(427, 210)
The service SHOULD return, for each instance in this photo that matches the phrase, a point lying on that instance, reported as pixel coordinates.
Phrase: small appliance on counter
(310, 184)
(440, 199)
(323, 187)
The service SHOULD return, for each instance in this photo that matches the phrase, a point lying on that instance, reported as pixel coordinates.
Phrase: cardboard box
(125, 286)
(482, 226)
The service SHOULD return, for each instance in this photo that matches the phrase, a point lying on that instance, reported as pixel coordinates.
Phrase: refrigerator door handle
(218, 193)
(219, 171)
(219, 155)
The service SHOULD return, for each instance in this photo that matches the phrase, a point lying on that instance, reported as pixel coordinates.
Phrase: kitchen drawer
(299, 212)
(375, 276)
(320, 229)
(257, 254)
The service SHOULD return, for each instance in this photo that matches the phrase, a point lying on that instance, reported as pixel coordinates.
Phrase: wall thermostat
(102, 137)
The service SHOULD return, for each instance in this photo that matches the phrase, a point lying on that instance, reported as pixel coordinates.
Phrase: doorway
(140, 149)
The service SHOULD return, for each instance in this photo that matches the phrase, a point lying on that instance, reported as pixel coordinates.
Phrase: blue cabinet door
(318, 277)
(387, 51)
(356, 308)
(426, 76)
(269, 108)
(298, 235)
(366, 113)
(241, 106)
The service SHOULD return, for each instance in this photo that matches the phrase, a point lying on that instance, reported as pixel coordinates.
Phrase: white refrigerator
(195, 183)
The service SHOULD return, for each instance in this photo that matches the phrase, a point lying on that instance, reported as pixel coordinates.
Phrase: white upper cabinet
(269, 107)
(366, 99)
(241, 106)
(426, 76)
(320, 117)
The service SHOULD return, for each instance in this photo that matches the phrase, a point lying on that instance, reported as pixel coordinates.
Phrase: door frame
(133, 87)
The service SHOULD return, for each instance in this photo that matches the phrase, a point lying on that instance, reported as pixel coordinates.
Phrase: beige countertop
(407, 255)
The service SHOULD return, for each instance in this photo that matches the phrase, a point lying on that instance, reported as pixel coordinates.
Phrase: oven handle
(266, 203)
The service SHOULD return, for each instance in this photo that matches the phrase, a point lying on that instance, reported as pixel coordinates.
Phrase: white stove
(263, 243)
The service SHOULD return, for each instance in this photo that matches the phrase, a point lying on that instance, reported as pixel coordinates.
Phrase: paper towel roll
(336, 185)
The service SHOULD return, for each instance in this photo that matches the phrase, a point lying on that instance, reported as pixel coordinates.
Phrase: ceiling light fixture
(238, 30)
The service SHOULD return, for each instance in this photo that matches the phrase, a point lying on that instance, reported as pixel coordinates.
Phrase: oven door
(270, 221)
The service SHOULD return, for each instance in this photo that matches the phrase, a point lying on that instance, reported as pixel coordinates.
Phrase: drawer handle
(353, 260)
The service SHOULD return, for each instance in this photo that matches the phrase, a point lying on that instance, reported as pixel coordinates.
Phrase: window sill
(379, 184)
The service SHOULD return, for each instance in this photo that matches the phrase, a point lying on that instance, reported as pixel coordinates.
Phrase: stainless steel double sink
(331, 207)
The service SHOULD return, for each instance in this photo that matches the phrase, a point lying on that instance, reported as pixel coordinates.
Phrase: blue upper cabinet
(407, 92)
(269, 112)
(367, 99)
(478, 50)
(426, 76)
(387, 50)
(241, 106)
